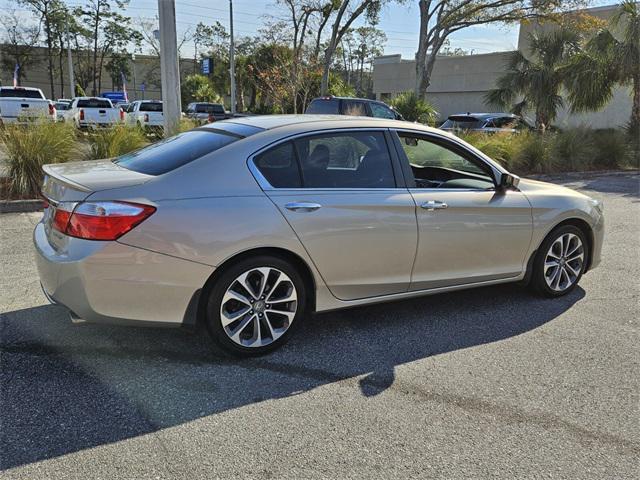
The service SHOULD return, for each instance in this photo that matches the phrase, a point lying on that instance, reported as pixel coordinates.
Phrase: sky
(400, 23)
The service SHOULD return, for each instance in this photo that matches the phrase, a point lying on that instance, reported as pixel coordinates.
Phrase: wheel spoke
(238, 297)
(549, 264)
(579, 256)
(235, 334)
(263, 283)
(273, 333)
(567, 243)
(572, 270)
(229, 318)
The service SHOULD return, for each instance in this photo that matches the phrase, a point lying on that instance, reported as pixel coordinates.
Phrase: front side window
(345, 160)
(381, 111)
(173, 152)
(354, 107)
(435, 165)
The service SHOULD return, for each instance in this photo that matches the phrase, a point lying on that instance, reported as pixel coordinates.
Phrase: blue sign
(206, 66)
(142, 86)
(116, 97)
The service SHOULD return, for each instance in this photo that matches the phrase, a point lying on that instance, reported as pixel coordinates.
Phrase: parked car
(252, 223)
(93, 112)
(146, 114)
(24, 104)
(485, 122)
(203, 112)
(362, 107)
(62, 105)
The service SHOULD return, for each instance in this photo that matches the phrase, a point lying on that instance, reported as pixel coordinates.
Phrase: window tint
(20, 93)
(435, 165)
(279, 166)
(62, 106)
(345, 160)
(354, 107)
(173, 152)
(327, 106)
(462, 122)
(151, 107)
(381, 111)
(94, 103)
(502, 122)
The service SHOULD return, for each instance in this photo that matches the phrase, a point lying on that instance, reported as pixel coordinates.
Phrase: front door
(469, 231)
(338, 192)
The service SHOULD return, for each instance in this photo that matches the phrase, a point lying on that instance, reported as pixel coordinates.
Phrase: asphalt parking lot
(491, 383)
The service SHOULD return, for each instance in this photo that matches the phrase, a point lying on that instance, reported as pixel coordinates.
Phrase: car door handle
(434, 205)
(302, 206)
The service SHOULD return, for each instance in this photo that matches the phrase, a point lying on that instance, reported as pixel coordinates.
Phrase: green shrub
(572, 150)
(414, 109)
(116, 141)
(28, 147)
(612, 149)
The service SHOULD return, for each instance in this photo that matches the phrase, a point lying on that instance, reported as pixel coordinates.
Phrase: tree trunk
(95, 48)
(328, 56)
(50, 54)
(252, 98)
(241, 98)
(635, 108)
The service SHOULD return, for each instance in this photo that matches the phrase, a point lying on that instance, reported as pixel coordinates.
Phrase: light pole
(133, 60)
(232, 68)
(72, 83)
(169, 67)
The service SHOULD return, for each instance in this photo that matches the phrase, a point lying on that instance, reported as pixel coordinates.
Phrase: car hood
(530, 187)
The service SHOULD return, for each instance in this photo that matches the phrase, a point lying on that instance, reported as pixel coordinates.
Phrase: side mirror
(508, 180)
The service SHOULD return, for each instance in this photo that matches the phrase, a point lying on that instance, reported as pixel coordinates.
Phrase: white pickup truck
(146, 114)
(93, 112)
(24, 104)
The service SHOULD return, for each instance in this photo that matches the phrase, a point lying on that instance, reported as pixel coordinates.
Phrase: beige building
(459, 84)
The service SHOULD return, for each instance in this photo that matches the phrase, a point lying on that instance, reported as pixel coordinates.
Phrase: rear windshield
(151, 107)
(209, 108)
(320, 106)
(463, 123)
(62, 106)
(174, 152)
(94, 103)
(18, 93)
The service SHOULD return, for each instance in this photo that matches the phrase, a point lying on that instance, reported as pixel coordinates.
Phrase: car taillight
(52, 109)
(121, 115)
(211, 118)
(146, 117)
(81, 114)
(99, 220)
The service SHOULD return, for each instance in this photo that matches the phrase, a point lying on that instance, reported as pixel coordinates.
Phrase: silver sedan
(250, 224)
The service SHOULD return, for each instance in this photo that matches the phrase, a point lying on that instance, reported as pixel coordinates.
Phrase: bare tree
(440, 18)
(20, 39)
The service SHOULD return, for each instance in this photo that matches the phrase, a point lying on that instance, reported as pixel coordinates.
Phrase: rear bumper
(108, 282)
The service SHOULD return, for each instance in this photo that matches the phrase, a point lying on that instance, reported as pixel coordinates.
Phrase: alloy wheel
(564, 262)
(258, 307)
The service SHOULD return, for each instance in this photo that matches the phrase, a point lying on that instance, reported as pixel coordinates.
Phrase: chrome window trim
(267, 187)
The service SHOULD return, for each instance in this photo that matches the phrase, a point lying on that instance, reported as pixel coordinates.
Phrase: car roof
(307, 121)
(484, 116)
(9, 87)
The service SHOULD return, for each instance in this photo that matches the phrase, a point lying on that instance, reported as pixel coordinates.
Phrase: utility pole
(72, 82)
(232, 61)
(169, 67)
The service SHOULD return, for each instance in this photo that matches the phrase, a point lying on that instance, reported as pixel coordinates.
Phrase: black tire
(538, 281)
(213, 320)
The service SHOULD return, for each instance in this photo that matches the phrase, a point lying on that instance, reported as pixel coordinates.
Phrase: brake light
(99, 220)
(52, 109)
(121, 115)
(146, 117)
(81, 114)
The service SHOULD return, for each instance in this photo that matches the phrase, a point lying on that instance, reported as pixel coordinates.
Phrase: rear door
(339, 192)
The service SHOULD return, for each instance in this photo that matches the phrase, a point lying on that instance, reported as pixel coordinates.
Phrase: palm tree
(536, 82)
(607, 62)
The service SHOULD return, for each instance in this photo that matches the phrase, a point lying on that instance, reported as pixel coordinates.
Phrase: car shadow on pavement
(66, 388)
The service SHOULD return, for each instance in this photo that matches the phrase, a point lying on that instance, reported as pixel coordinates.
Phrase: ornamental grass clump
(116, 141)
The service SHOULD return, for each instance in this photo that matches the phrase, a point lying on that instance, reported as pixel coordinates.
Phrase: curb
(579, 175)
(20, 206)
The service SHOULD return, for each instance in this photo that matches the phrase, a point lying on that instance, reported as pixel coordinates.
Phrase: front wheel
(560, 262)
(254, 305)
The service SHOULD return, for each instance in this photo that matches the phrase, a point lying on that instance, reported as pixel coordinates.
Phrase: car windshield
(94, 103)
(20, 93)
(174, 152)
(151, 107)
(62, 106)
(462, 122)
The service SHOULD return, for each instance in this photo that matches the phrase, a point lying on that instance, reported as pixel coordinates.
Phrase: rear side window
(279, 166)
(462, 122)
(174, 152)
(380, 111)
(324, 106)
(355, 108)
(151, 107)
(94, 103)
(19, 93)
